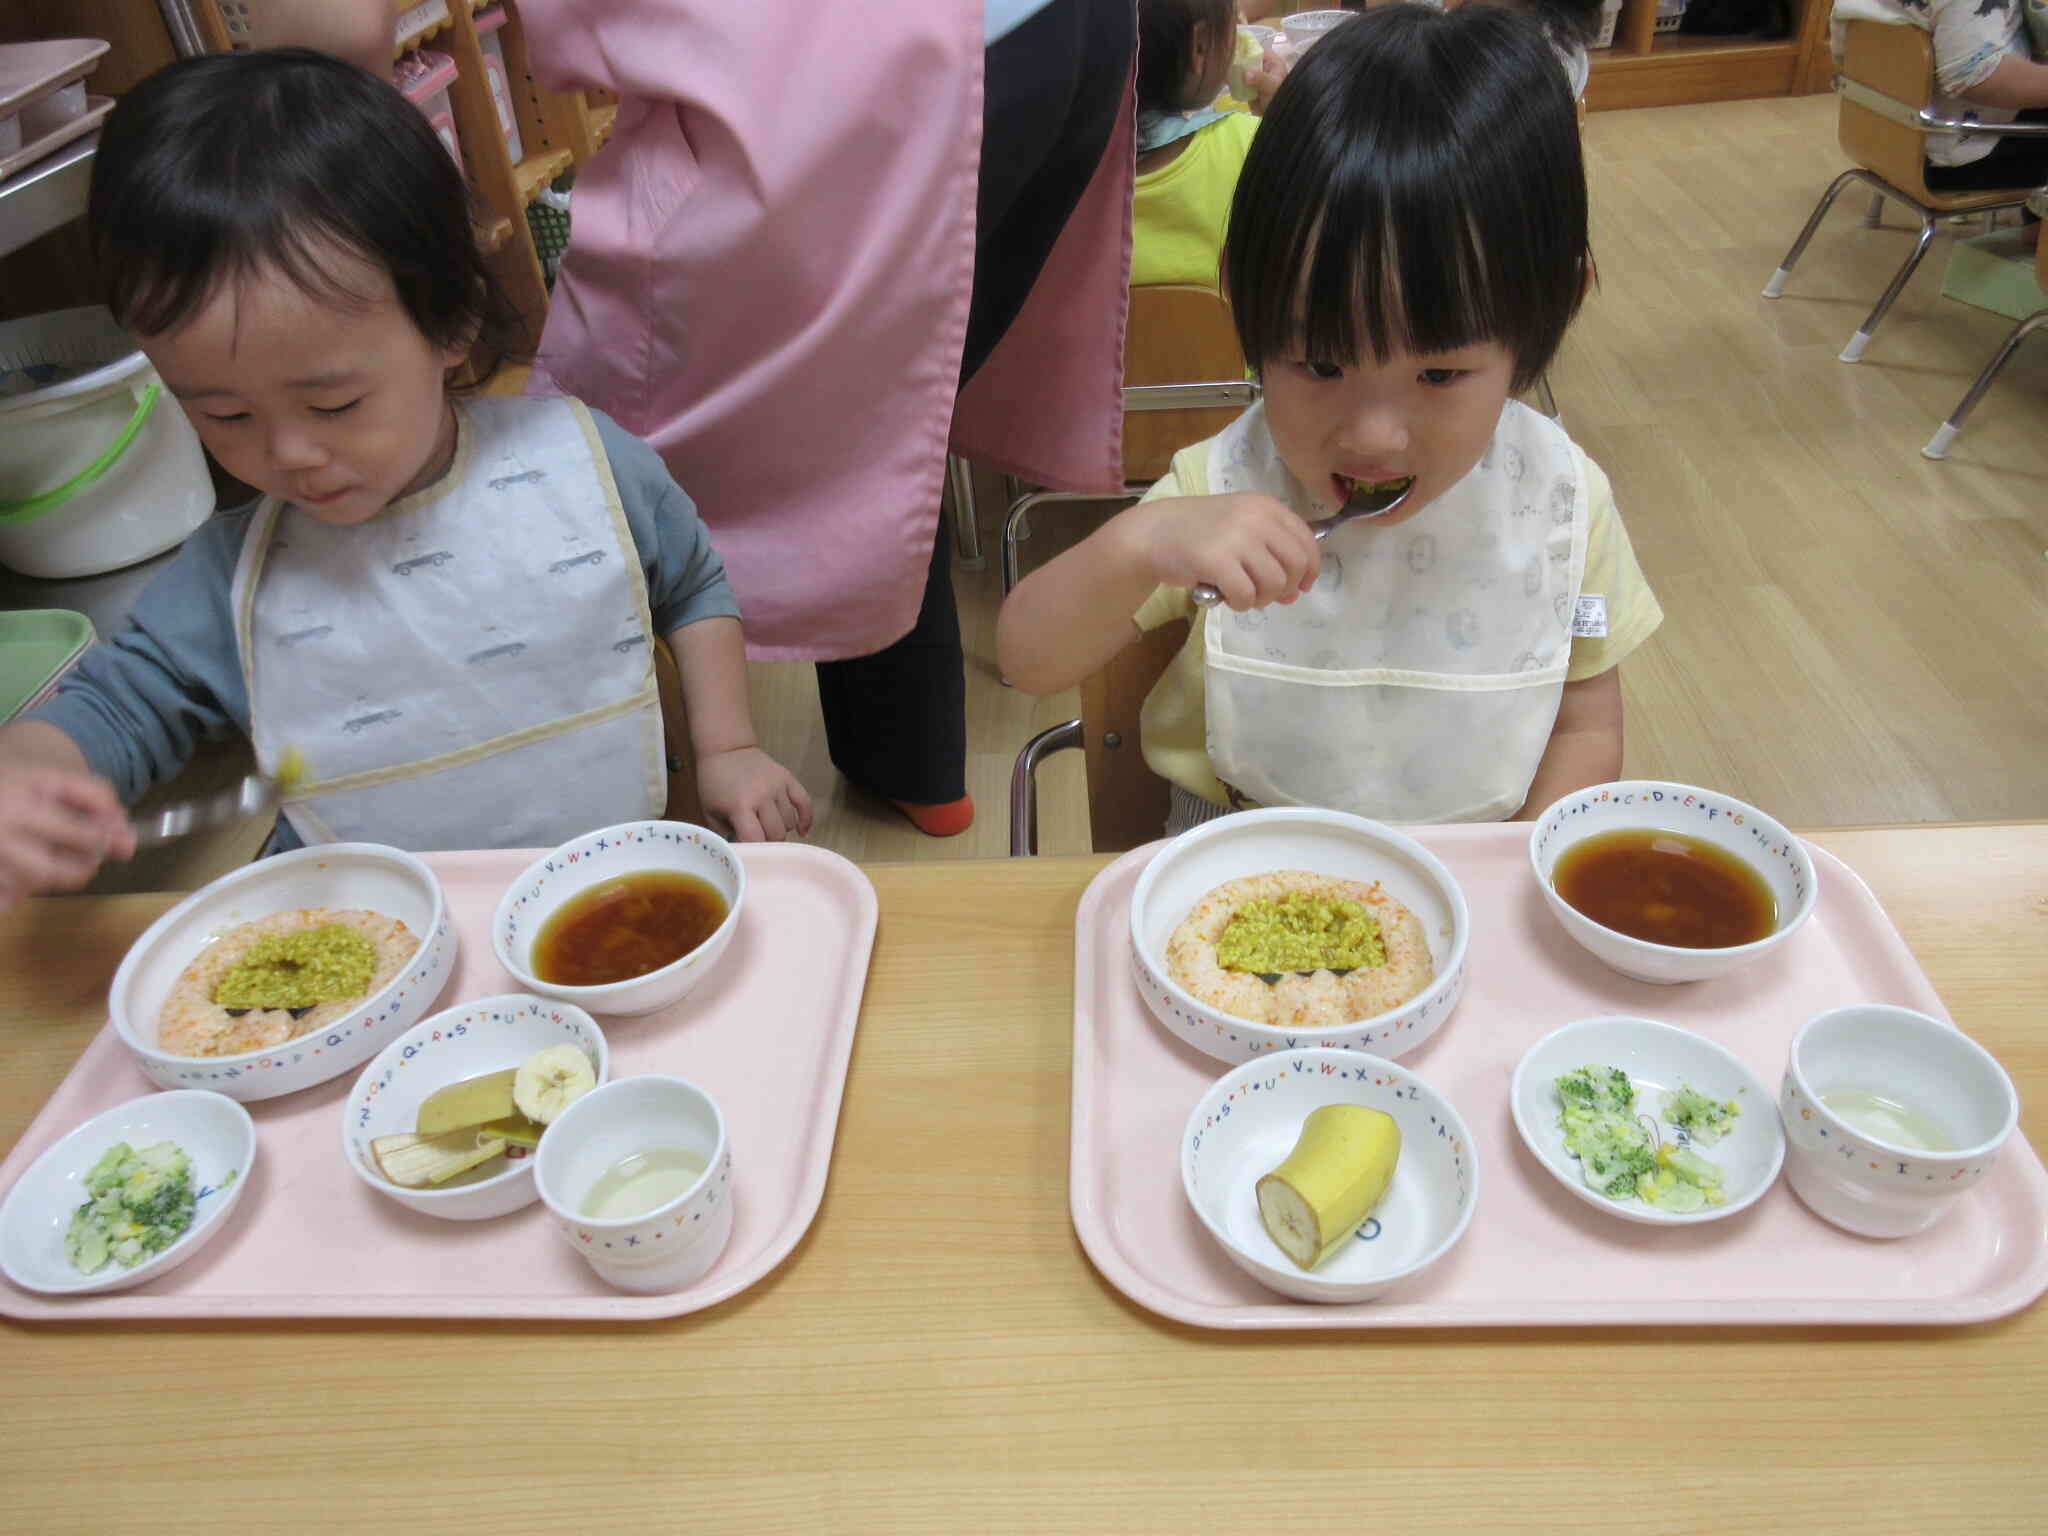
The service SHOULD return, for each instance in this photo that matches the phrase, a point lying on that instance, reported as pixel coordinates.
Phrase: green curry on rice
(300, 969)
(1314, 952)
(1300, 931)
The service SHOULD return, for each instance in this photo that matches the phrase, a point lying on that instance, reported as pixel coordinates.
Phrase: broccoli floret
(1705, 1120)
(140, 1204)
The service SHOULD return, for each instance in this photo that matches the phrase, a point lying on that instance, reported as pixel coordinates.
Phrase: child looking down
(445, 606)
(1406, 248)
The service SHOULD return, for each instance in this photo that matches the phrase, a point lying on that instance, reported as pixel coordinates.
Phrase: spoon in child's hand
(1374, 500)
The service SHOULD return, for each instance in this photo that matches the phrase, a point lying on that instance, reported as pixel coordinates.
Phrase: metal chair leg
(1024, 784)
(966, 531)
(1854, 351)
(1938, 445)
(1873, 216)
(1776, 285)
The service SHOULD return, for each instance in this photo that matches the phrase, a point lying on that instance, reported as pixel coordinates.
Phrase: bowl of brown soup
(1670, 882)
(624, 920)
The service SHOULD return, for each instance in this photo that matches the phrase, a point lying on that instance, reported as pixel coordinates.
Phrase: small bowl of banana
(446, 1119)
(1329, 1175)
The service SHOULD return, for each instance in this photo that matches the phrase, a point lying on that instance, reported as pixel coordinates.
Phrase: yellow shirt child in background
(1189, 149)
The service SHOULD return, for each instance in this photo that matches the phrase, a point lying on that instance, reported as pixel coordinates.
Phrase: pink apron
(834, 328)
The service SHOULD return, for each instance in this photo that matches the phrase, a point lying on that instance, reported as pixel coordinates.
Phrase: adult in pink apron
(811, 230)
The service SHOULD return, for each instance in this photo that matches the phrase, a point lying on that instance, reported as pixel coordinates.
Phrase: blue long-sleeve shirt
(139, 703)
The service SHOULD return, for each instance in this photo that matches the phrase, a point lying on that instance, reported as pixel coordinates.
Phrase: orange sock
(948, 820)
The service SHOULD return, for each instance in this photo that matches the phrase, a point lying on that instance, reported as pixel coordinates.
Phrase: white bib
(471, 668)
(1419, 679)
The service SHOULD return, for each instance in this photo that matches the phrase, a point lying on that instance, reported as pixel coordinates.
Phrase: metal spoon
(1362, 502)
(253, 796)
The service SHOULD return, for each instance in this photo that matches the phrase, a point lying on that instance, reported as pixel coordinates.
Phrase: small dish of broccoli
(130, 1194)
(1622, 1112)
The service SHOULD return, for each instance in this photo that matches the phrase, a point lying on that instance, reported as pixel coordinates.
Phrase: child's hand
(56, 827)
(752, 796)
(1247, 545)
(1263, 78)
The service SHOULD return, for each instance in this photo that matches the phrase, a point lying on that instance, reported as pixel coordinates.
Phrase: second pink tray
(1534, 1255)
(768, 1035)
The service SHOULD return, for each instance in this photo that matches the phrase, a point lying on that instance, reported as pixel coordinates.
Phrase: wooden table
(939, 1356)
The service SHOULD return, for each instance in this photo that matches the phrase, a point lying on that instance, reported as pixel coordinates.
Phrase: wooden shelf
(1677, 67)
(491, 235)
(1648, 68)
(536, 171)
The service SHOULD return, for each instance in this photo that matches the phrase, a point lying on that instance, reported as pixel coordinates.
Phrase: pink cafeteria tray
(768, 1035)
(1535, 1255)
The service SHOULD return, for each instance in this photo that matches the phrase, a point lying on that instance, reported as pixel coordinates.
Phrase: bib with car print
(471, 667)
(1418, 680)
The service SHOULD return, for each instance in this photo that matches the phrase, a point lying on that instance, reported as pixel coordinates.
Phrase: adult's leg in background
(896, 720)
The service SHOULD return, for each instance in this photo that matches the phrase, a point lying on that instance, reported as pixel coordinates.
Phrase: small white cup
(675, 1244)
(1865, 1183)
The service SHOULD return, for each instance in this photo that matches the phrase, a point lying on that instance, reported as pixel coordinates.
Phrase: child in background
(1407, 247)
(1189, 153)
(445, 607)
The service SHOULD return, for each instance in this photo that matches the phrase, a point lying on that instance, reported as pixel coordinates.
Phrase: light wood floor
(1853, 634)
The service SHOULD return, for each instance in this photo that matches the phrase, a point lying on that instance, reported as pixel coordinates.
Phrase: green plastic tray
(36, 645)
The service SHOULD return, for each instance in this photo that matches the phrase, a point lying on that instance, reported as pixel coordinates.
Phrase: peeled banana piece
(550, 1080)
(1340, 1168)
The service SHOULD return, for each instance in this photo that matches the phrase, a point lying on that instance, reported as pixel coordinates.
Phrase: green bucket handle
(48, 501)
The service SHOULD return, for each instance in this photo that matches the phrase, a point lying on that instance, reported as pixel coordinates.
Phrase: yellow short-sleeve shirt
(1174, 721)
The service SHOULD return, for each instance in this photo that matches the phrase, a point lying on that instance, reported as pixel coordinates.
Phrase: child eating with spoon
(1406, 247)
(446, 605)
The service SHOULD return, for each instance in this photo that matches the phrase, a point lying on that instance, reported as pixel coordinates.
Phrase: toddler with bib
(444, 607)
(1407, 246)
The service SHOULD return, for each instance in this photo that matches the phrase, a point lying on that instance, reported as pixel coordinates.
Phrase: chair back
(1176, 333)
(1895, 61)
(1127, 801)
(683, 804)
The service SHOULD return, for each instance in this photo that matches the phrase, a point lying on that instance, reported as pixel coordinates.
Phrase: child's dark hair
(1416, 185)
(1166, 46)
(219, 166)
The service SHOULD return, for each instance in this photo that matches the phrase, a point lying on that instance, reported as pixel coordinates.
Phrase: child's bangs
(1414, 281)
(159, 288)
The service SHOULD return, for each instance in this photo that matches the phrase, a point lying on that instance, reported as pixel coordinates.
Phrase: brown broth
(622, 928)
(1667, 888)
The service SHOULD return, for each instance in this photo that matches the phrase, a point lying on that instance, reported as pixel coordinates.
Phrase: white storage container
(98, 466)
(423, 77)
(1610, 18)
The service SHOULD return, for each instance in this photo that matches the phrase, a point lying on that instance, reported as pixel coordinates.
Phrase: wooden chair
(1886, 86)
(683, 804)
(1127, 801)
(1184, 380)
(1938, 445)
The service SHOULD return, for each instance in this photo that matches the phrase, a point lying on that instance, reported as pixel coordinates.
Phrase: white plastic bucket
(97, 471)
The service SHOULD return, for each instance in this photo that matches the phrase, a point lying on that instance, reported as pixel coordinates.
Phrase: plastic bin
(98, 466)
(1669, 14)
(487, 25)
(423, 77)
